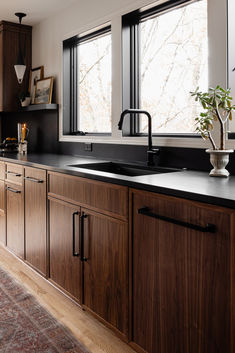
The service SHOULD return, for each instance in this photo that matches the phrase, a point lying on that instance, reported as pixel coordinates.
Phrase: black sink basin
(124, 169)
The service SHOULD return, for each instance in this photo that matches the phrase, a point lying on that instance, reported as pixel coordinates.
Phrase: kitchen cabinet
(10, 34)
(2, 205)
(106, 268)
(35, 218)
(15, 219)
(65, 264)
(182, 275)
(98, 233)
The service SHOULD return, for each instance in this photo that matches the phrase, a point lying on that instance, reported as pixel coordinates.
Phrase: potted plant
(24, 98)
(217, 105)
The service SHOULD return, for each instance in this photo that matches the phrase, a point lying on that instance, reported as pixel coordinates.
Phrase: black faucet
(151, 151)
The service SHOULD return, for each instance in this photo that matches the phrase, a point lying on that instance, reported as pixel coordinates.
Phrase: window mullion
(135, 77)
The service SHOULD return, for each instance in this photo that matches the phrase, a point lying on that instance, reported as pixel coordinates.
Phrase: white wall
(84, 15)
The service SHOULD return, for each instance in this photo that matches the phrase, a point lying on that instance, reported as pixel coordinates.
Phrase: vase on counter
(219, 159)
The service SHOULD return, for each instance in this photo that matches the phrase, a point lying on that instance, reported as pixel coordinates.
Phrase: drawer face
(35, 175)
(15, 173)
(2, 170)
(103, 197)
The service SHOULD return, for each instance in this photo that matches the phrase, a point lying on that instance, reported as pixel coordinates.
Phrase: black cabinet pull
(13, 190)
(209, 228)
(74, 241)
(34, 180)
(13, 173)
(81, 250)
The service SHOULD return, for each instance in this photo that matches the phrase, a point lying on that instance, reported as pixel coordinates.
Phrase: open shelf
(34, 107)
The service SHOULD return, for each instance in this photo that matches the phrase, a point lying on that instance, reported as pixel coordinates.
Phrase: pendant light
(20, 66)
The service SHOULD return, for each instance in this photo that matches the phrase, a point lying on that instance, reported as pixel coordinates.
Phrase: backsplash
(43, 137)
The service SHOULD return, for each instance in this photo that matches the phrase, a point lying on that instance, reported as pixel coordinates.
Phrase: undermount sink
(124, 169)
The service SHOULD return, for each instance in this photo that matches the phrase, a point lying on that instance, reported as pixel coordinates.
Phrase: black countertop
(193, 185)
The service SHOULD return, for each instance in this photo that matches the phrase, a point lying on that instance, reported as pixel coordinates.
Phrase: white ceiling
(36, 10)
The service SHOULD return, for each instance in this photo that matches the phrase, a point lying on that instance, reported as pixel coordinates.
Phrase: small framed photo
(43, 92)
(35, 75)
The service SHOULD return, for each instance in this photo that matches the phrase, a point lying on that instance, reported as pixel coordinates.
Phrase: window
(87, 83)
(168, 58)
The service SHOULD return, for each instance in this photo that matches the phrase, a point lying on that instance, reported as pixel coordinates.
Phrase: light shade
(20, 70)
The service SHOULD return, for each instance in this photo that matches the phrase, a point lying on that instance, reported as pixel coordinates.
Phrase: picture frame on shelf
(35, 75)
(43, 91)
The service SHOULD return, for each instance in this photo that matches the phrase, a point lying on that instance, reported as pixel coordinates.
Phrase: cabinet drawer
(35, 175)
(2, 170)
(15, 173)
(102, 197)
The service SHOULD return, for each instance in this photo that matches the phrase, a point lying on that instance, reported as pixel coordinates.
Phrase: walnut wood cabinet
(106, 268)
(9, 47)
(183, 276)
(166, 285)
(65, 264)
(35, 218)
(2, 204)
(98, 275)
(15, 219)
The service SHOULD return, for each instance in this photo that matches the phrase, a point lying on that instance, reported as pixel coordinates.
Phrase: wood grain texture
(15, 220)
(9, 45)
(106, 269)
(65, 269)
(15, 173)
(35, 219)
(109, 198)
(181, 277)
(2, 170)
(2, 212)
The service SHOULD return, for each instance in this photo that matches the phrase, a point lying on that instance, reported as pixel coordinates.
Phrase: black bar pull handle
(209, 228)
(34, 180)
(74, 241)
(13, 173)
(82, 258)
(13, 190)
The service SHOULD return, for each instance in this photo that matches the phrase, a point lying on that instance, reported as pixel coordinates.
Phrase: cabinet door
(15, 219)
(65, 264)
(2, 213)
(106, 268)
(181, 276)
(35, 218)
(9, 87)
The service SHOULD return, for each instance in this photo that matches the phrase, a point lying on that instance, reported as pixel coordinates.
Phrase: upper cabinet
(11, 35)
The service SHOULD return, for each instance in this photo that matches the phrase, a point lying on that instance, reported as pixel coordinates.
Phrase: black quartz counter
(193, 185)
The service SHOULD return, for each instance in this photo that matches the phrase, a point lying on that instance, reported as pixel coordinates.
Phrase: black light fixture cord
(20, 59)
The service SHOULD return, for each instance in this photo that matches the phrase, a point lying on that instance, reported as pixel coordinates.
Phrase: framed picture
(43, 92)
(35, 75)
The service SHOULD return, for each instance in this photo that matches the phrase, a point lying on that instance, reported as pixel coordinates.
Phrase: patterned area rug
(25, 326)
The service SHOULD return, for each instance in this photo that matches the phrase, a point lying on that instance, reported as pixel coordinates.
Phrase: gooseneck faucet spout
(151, 152)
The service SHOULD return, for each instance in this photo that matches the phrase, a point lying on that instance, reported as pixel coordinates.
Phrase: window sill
(142, 140)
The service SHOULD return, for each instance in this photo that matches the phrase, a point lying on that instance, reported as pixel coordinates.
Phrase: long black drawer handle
(34, 180)
(15, 174)
(209, 228)
(74, 244)
(13, 190)
(82, 258)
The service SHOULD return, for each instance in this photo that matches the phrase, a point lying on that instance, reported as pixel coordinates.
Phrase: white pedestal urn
(219, 159)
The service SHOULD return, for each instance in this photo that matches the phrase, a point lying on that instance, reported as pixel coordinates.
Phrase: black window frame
(131, 68)
(70, 82)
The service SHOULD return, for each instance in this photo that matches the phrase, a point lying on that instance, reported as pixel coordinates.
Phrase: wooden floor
(96, 337)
